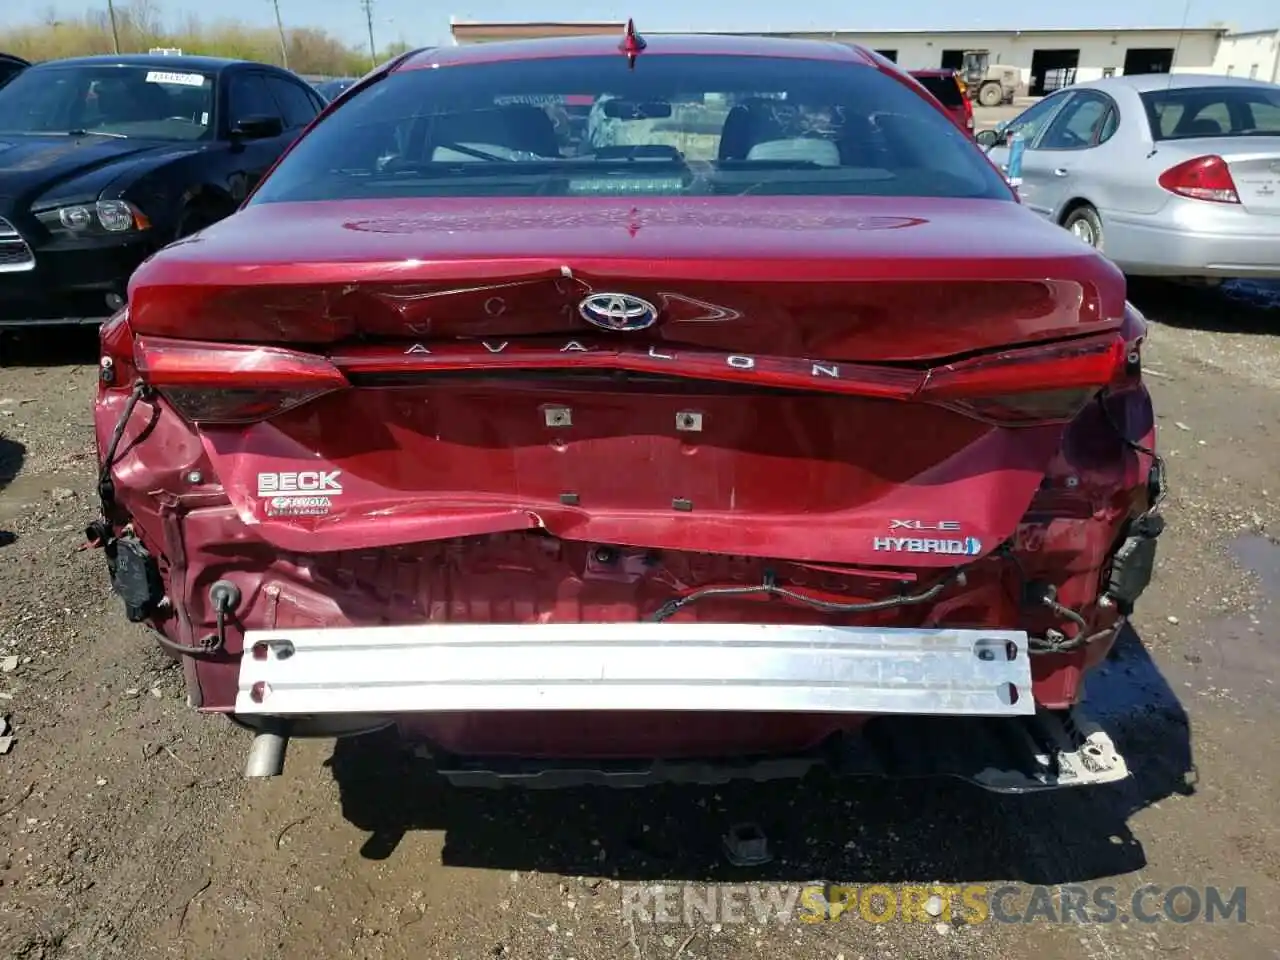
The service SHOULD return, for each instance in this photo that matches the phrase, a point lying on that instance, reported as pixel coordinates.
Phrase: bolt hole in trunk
(723, 474)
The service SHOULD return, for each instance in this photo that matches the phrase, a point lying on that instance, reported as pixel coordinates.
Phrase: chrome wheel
(1083, 229)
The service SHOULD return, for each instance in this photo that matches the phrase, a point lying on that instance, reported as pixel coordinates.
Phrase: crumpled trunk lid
(846, 382)
(837, 479)
(869, 278)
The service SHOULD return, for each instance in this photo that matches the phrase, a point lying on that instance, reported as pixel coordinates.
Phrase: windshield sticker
(204, 119)
(182, 79)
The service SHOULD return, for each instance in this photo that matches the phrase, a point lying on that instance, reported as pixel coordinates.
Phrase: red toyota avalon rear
(689, 445)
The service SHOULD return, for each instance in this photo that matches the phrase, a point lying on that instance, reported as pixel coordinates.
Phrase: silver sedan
(1172, 175)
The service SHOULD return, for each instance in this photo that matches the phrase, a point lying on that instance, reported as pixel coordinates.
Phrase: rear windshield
(1238, 111)
(944, 88)
(676, 125)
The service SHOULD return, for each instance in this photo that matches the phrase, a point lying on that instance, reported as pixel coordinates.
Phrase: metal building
(1047, 59)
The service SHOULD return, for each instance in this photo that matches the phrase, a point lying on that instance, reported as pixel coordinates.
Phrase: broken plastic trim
(1133, 563)
(1051, 750)
(135, 577)
(745, 845)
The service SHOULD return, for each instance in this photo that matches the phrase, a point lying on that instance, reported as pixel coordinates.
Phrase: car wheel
(990, 95)
(1085, 224)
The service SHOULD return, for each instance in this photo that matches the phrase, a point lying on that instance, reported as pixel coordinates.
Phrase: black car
(10, 67)
(330, 89)
(103, 160)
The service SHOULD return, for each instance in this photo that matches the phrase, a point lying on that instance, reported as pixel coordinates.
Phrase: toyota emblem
(618, 311)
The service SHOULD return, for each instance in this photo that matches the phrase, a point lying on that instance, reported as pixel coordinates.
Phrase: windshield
(109, 100)
(1234, 111)
(675, 125)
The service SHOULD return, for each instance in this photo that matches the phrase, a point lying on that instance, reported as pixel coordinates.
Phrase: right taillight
(1033, 384)
(1203, 178)
(233, 383)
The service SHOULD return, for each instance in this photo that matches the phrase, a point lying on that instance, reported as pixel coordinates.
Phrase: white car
(1170, 175)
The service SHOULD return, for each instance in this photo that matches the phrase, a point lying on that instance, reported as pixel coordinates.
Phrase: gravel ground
(129, 833)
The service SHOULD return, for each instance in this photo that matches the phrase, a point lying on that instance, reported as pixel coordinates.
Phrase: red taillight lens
(1036, 384)
(115, 352)
(233, 383)
(1204, 178)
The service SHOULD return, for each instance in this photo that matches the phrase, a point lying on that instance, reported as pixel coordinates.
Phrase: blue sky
(427, 21)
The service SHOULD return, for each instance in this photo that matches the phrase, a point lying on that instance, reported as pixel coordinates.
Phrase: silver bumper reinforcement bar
(635, 666)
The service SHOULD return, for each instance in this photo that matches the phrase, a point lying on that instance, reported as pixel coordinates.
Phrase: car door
(248, 96)
(298, 103)
(1030, 124)
(1067, 150)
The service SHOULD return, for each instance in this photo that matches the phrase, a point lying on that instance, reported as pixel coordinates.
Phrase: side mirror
(257, 128)
(987, 138)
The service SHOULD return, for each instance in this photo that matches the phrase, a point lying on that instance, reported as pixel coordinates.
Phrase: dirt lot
(128, 831)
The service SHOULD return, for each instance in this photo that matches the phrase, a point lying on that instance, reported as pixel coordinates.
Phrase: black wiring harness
(106, 489)
(770, 587)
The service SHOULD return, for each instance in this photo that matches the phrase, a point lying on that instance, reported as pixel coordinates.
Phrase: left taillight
(233, 383)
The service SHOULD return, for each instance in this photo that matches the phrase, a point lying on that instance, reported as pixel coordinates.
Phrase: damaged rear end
(698, 491)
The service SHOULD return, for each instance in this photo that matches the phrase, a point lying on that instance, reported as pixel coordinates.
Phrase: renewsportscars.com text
(962, 904)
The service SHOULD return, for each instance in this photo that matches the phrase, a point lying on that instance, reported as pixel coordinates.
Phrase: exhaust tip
(266, 753)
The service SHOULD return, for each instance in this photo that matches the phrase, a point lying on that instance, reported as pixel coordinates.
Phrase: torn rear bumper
(1049, 751)
(753, 668)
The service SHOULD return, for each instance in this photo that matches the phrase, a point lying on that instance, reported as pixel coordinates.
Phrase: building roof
(750, 45)
(1271, 32)
(548, 28)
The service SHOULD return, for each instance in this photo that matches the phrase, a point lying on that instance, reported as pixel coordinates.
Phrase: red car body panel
(851, 363)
